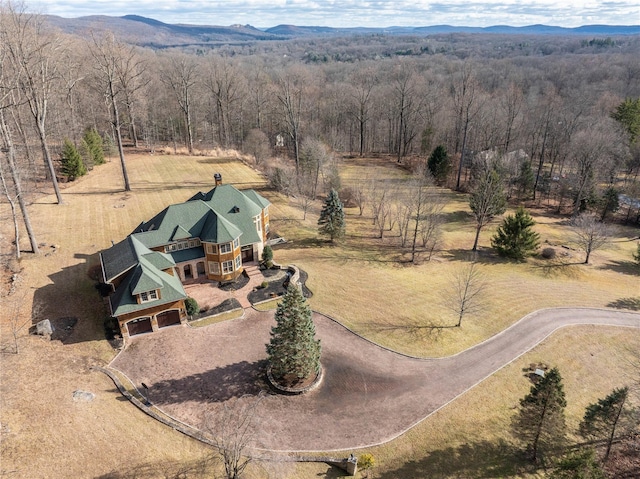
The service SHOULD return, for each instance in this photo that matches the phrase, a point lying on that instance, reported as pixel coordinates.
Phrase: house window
(238, 262)
(214, 268)
(180, 245)
(225, 248)
(227, 267)
(148, 296)
(266, 228)
(256, 220)
(236, 243)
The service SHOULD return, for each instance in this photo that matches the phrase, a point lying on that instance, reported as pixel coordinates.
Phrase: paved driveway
(369, 395)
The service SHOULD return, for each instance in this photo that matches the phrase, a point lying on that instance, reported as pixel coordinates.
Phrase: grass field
(45, 433)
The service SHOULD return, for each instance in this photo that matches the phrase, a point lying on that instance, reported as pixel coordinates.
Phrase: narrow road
(370, 395)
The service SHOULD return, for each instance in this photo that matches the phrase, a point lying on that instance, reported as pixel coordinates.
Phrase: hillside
(156, 34)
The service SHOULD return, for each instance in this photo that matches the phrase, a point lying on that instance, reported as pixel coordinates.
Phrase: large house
(208, 237)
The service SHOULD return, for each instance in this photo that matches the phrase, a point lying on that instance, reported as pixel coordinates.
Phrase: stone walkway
(191, 371)
(209, 295)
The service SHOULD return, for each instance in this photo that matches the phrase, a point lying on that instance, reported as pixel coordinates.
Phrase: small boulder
(44, 328)
(79, 395)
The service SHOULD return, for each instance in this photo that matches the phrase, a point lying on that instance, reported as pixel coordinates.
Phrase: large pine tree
(515, 238)
(293, 352)
(601, 419)
(540, 423)
(331, 222)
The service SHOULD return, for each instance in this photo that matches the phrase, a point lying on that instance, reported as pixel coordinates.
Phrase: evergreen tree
(578, 465)
(609, 201)
(331, 221)
(72, 165)
(267, 256)
(627, 114)
(540, 423)
(602, 418)
(439, 163)
(293, 352)
(515, 238)
(487, 200)
(526, 179)
(92, 142)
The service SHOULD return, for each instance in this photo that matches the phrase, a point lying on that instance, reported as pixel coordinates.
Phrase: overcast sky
(350, 13)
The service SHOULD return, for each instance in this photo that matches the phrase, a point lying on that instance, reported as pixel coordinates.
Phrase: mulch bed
(239, 283)
(227, 305)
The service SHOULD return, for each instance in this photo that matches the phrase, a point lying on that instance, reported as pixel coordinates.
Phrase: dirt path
(190, 370)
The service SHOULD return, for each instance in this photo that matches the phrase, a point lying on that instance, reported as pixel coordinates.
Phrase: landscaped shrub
(191, 306)
(548, 253)
(264, 284)
(267, 255)
(366, 461)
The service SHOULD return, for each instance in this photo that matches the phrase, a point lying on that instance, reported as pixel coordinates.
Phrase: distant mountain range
(149, 32)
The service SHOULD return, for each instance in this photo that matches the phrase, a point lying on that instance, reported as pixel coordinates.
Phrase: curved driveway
(370, 395)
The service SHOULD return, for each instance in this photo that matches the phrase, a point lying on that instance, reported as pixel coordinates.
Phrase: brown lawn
(45, 433)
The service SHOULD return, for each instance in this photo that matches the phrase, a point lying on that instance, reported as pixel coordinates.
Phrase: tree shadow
(72, 304)
(198, 468)
(626, 303)
(624, 267)
(484, 459)
(554, 268)
(459, 216)
(482, 256)
(216, 385)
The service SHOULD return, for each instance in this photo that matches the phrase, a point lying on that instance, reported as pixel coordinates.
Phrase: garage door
(167, 318)
(139, 326)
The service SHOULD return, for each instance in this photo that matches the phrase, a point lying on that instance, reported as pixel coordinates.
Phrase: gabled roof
(220, 215)
(257, 198)
(125, 255)
(123, 301)
(145, 278)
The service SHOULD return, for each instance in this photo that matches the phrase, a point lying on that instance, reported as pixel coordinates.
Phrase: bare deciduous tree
(34, 51)
(113, 61)
(181, 76)
(465, 294)
(9, 174)
(232, 431)
(257, 144)
(589, 234)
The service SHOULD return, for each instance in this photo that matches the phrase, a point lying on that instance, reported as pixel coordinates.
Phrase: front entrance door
(247, 254)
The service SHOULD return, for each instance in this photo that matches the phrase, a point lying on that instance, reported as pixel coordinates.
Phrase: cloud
(342, 13)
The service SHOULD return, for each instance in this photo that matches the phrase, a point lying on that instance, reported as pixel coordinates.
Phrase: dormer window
(148, 296)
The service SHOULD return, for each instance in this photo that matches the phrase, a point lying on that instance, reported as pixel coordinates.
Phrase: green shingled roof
(219, 216)
(218, 230)
(123, 302)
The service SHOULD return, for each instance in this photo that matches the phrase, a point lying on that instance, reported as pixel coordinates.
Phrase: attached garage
(139, 326)
(167, 318)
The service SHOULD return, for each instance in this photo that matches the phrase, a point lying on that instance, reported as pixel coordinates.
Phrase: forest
(559, 114)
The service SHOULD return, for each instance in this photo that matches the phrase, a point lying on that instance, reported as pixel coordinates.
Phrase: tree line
(564, 126)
